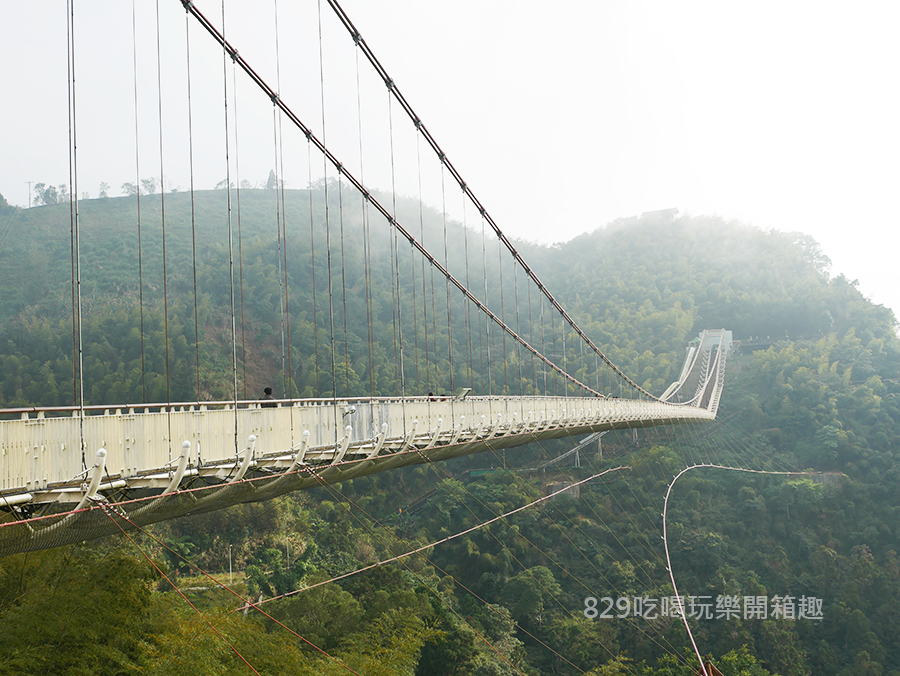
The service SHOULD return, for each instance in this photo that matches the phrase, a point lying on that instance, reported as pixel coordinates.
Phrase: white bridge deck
(42, 458)
(68, 475)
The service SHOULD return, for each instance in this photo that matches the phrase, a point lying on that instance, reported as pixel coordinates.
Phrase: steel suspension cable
(543, 345)
(430, 545)
(469, 358)
(137, 185)
(531, 340)
(565, 352)
(328, 228)
(72, 258)
(518, 329)
(395, 268)
(601, 575)
(392, 240)
(624, 511)
(650, 526)
(648, 547)
(240, 236)
(344, 286)
(434, 331)
(279, 210)
(312, 250)
(439, 470)
(289, 393)
(371, 198)
(248, 604)
(679, 600)
(447, 267)
(187, 40)
(162, 210)
(412, 262)
(361, 43)
(553, 343)
(415, 314)
(499, 612)
(581, 362)
(424, 288)
(364, 213)
(75, 228)
(419, 552)
(337, 493)
(225, 54)
(487, 325)
(370, 333)
(506, 391)
(369, 310)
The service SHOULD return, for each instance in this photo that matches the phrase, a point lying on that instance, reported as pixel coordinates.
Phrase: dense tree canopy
(814, 385)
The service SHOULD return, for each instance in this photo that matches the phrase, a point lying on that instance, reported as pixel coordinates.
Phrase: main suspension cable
(329, 157)
(361, 43)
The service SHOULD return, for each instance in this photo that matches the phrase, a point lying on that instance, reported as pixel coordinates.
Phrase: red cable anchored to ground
(247, 604)
(180, 593)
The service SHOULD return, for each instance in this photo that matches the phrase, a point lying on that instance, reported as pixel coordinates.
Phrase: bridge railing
(43, 448)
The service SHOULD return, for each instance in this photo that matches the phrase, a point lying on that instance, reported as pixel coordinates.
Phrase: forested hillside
(815, 385)
(296, 264)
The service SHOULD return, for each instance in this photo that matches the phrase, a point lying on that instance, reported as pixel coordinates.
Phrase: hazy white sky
(561, 116)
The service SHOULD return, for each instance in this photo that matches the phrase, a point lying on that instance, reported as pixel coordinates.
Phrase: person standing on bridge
(267, 398)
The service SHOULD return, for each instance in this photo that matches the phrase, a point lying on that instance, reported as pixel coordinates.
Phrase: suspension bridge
(511, 366)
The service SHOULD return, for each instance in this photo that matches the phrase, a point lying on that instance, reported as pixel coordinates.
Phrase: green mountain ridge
(815, 387)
